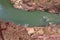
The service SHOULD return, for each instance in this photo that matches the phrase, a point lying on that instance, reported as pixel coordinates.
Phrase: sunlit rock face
(51, 6)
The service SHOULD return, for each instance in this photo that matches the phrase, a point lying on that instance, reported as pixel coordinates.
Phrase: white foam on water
(26, 25)
(47, 19)
(50, 22)
(44, 17)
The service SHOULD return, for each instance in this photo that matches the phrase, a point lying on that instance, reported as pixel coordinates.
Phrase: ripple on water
(1, 7)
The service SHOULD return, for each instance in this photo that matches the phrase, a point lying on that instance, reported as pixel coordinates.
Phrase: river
(37, 18)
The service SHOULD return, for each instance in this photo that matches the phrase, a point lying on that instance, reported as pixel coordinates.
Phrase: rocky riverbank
(11, 31)
(51, 6)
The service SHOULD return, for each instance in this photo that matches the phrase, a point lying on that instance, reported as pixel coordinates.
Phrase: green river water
(8, 13)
